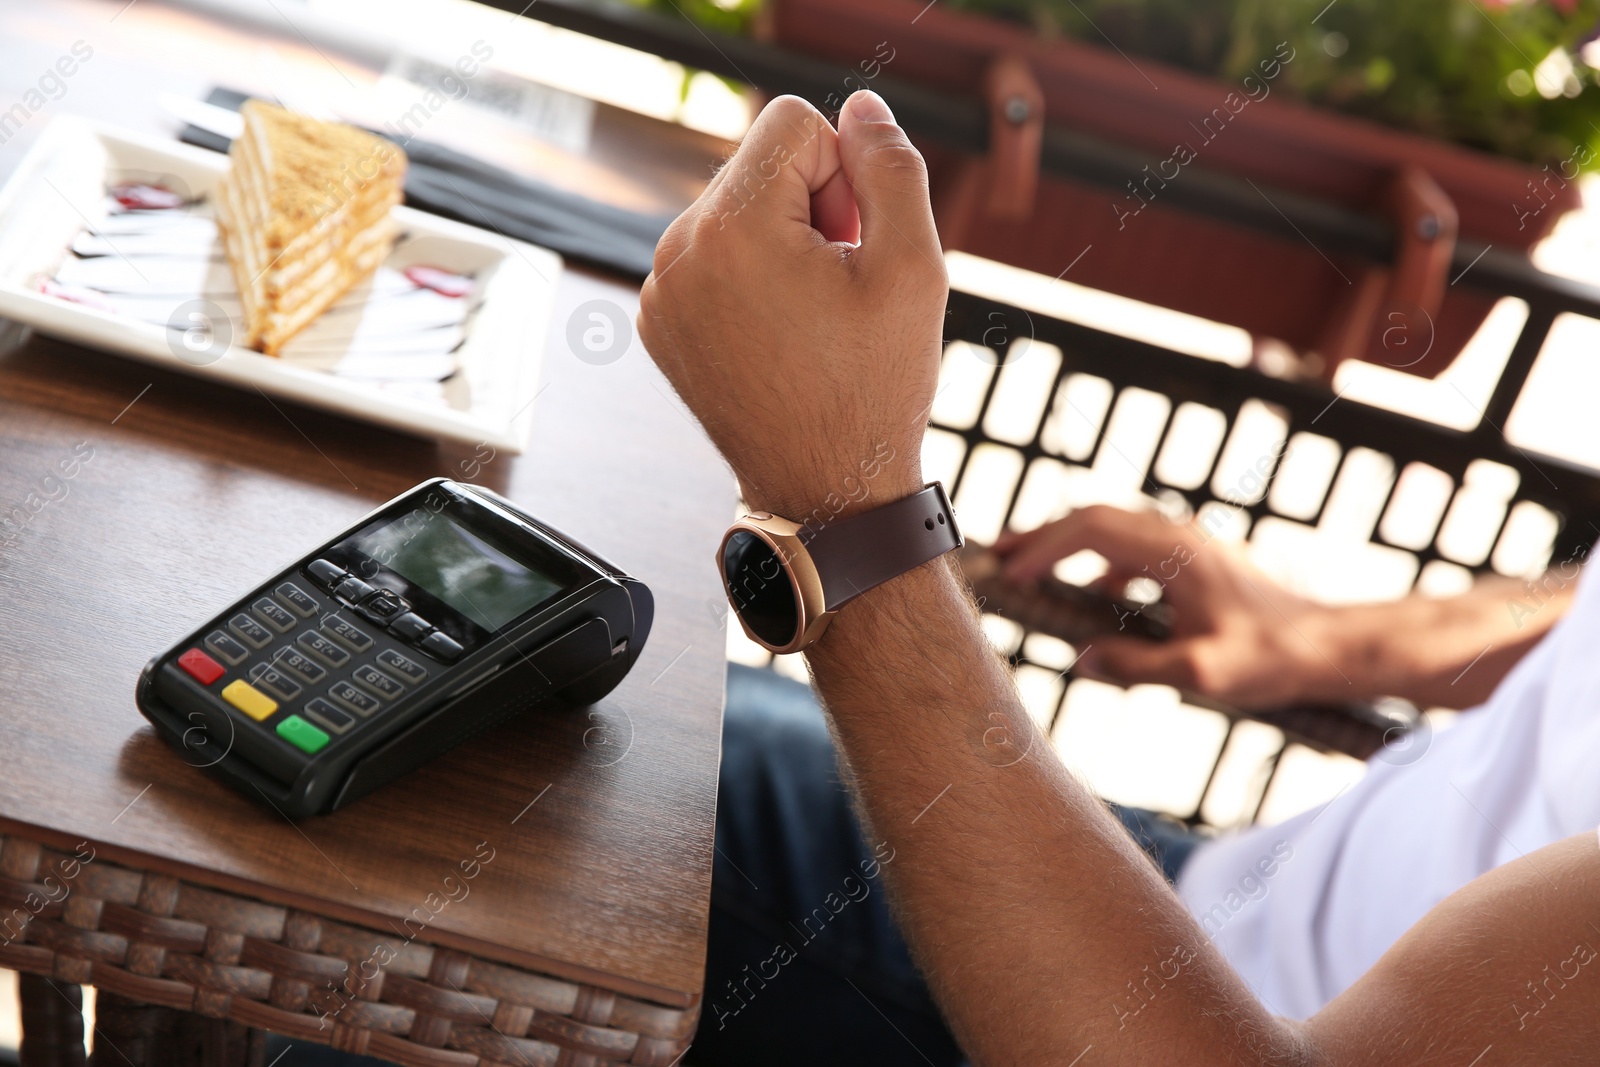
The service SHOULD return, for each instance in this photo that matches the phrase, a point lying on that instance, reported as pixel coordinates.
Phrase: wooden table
(582, 939)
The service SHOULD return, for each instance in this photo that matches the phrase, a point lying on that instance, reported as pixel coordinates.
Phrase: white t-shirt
(1304, 908)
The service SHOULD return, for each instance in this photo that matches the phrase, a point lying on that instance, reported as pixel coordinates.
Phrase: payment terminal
(444, 612)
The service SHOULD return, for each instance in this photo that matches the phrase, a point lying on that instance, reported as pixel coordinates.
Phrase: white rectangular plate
(58, 195)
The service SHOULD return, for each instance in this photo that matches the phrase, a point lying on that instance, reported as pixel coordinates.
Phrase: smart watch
(787, 579)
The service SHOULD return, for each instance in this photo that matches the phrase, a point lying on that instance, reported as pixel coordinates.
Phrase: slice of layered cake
(304, 215)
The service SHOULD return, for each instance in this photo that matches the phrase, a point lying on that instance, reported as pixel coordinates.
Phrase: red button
(204, 669)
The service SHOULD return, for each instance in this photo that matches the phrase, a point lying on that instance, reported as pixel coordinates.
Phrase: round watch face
(760, 588)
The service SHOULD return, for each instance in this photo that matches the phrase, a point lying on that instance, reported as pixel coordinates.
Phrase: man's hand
(1034, 914)
(1240, 637)
(1237, 636)
(797, 307)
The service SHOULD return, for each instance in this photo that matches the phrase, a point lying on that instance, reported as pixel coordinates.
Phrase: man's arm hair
(1440, 651)
(1049, 938)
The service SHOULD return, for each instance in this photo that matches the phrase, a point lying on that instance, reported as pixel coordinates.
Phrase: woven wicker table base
(152, 940)
(127, 1032)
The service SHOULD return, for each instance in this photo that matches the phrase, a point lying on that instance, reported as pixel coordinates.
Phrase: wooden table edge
(376, 921)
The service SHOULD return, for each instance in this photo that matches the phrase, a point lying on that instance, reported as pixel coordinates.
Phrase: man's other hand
(1237, 635)
(798, 307)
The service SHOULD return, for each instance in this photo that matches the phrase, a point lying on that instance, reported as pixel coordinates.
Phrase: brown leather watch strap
(855, 554)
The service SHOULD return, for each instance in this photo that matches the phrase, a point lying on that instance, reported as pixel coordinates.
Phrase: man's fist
(798, 309)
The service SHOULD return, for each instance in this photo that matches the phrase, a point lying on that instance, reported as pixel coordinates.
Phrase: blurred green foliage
(724, 16)
(1461, 70)
(729, 16)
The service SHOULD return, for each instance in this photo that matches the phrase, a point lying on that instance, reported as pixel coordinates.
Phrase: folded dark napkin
(458, 186)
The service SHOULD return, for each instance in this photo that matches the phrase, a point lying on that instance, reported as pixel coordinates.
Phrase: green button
(302, 735)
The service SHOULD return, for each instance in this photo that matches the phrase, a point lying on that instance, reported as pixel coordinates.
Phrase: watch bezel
(783, 537)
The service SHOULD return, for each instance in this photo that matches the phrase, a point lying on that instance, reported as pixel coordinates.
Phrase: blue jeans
(805, 964)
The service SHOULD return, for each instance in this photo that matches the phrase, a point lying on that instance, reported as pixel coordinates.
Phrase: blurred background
(1383, 208)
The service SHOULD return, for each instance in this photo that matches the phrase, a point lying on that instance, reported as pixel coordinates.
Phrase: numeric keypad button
(274, 614)
(269, 679)
(301, 667)
(363, 704)
(381, 684)
(346, 633)
(328, 652)
(400, 667)
(296, 599)
(251, 632)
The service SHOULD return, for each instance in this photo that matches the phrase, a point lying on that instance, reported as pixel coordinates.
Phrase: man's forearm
(1043, 927)
(1445, 652)
(802, 326)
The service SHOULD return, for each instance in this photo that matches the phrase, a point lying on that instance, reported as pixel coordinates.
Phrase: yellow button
(250, 700)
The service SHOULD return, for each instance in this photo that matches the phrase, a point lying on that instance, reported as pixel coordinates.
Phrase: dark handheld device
(1079, 616)
(442, 613)
(1049, 605)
